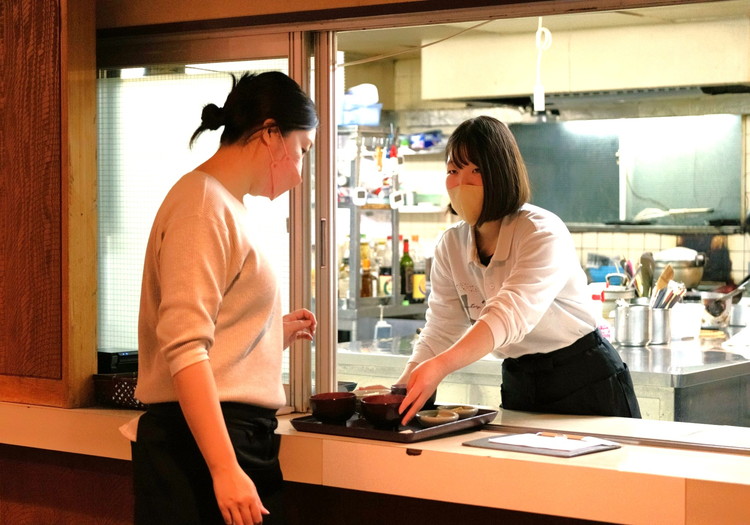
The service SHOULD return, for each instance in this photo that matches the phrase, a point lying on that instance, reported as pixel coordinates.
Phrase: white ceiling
(375, 42)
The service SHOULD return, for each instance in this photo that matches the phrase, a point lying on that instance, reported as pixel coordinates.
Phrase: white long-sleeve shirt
(532, 294)
(208, 294)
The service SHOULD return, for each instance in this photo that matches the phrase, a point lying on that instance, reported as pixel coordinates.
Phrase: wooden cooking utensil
(664, 278)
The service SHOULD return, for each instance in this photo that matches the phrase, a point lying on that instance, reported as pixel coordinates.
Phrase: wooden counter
(633, 484)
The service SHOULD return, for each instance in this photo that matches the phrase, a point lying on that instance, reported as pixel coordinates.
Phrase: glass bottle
(367, 288)
(344, 279)
(419, 286)
(406, 265)
(383, 267)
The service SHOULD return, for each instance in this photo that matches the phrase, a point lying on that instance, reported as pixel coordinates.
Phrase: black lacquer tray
(359, 427)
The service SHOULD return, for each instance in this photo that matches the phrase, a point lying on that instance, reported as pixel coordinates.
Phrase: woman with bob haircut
(506, 280)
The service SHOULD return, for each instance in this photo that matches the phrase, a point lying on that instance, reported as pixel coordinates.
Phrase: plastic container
(599, 274)
(383, 329)
(685, 322)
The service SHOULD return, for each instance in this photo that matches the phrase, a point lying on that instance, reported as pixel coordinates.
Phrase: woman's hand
(238, 498)
(299, 324)
(423, 381)
(235, 492)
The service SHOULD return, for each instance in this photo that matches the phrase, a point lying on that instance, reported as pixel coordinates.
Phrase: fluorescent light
(132, 72)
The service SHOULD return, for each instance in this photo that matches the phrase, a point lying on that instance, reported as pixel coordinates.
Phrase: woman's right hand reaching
(423, 381)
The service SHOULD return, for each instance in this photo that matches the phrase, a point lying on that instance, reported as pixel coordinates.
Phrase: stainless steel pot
(687, 264)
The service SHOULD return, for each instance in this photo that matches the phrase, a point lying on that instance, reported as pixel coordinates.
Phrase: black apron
(171, 481)
(586, 378)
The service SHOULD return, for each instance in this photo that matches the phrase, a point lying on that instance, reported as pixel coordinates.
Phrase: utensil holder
(633, 324)
(661, 326)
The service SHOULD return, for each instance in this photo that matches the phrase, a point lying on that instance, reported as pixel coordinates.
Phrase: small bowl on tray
(381, 411)
(463, 411)
(433, 418)
(367, 391)
(333, 407)
(400, 388)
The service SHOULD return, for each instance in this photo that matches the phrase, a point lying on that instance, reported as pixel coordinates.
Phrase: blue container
(598, 275)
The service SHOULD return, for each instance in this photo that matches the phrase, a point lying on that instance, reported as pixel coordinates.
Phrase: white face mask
(467, 201)
(284, 173)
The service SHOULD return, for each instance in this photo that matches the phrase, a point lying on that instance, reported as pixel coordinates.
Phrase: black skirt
(585, 378)
(171, 481)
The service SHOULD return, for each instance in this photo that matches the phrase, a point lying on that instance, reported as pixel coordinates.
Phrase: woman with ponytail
(211, 332)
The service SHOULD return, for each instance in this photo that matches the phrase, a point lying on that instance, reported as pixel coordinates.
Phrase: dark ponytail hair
(254, 98)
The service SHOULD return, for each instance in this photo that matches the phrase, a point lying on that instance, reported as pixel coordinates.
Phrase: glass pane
(390, 186)
(146, 118)
(673, 150)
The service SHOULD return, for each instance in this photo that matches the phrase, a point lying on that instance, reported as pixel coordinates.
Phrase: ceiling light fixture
(543, 43)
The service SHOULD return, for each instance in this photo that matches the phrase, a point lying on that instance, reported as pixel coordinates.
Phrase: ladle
(718, 305)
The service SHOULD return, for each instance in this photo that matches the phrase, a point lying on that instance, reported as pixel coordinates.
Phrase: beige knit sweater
(208, 293)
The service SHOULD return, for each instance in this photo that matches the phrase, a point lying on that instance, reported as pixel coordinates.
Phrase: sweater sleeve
(193, 255)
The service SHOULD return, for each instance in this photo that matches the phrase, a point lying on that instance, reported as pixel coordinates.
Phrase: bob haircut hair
(255, 98)
(488, 143)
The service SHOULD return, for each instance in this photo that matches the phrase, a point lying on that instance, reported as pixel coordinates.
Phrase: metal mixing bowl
(684, 272)
(687, 264)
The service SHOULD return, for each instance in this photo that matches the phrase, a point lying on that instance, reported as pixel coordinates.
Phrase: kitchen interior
(66, 463)
(640, 154)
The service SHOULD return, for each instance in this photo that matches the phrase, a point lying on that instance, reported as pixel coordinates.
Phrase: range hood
(606, 65)
(615, 96)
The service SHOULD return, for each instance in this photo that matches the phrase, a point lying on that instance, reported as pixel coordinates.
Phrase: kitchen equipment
(431, 418)
(661, 328)
(400, 389)
(647, 273)
(632, 324)
(366, 391)
(346, 386)
(687, 264)
(664, 277)
(463, 411)
(116, 360)
(740, 315)
(715, 322)
(410, 433)
(381, 411)
(717, 306)
(611, 295)
(333, 407)
(685, 322)
(648, 214)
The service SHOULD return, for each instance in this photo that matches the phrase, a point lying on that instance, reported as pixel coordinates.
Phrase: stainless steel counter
(683, 363)
(691, 380)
